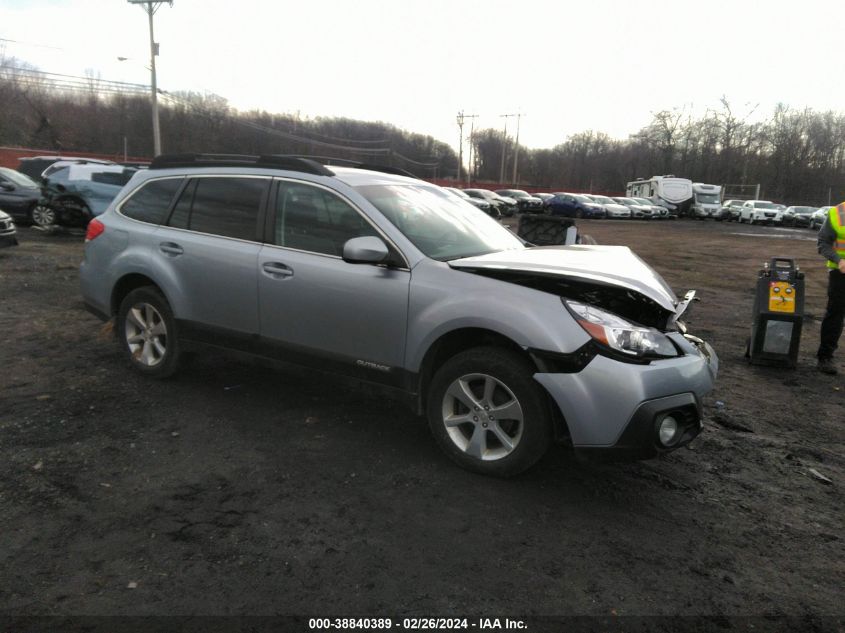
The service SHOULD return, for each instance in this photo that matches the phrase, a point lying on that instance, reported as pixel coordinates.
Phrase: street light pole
(153, 53)
(150, 9)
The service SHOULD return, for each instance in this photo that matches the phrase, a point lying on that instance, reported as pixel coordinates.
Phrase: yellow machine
(778, 314)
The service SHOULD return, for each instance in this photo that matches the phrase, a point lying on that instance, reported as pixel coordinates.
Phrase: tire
(489, 381)
(43, 215)
(146, 330)
(75, 212)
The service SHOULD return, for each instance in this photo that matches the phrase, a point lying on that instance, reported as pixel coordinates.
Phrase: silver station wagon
(504, 347)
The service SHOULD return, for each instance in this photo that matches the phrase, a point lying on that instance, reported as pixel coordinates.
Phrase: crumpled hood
(610, 265)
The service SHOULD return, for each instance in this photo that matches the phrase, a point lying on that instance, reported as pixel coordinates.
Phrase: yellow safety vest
(836, 217)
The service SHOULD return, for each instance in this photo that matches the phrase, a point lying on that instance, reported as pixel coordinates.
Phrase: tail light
(95, 229)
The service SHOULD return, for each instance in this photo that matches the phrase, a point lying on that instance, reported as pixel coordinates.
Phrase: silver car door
(210, 246)
(314, 306)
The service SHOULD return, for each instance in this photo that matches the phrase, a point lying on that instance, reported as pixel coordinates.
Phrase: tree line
(796, 156)
(88, 114)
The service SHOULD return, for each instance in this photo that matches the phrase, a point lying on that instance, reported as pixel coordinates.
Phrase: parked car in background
(818, 217)
(731, 209)
(8, 232)
(479, 203)
(657, 212)
(389, 280)
(525, 202)
(574, 205)
(20, 196)
(798, 216)
(498, 202)
(34, 166)
(638, 210)
(612, 209)
(545, 197)
(760, 211)
(77, 192)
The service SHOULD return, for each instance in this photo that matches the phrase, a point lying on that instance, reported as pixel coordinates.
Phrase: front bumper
(613, 407)
(8, 233)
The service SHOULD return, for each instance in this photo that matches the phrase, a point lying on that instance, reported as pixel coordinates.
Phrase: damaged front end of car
(634, 388)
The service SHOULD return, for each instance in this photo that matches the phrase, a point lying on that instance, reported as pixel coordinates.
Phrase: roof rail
(332, 160)
(292, 163)
(396, 171)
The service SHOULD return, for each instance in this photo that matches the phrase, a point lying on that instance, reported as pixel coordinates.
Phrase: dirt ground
(238, 489)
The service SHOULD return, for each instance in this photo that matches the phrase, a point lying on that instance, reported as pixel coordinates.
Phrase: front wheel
(487, 413)
(147, 332)
(42, 215)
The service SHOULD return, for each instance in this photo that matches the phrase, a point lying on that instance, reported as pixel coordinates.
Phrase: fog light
(668, 430)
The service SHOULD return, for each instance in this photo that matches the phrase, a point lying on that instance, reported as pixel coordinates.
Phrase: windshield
(625, 201)
(603, 199)
(19, 179)
(803, 210)
(764, 205)
(580, 198)
(643, 201)
(440, 226)
(707, 198)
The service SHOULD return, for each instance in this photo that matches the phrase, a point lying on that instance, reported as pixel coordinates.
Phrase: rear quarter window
(151, 202)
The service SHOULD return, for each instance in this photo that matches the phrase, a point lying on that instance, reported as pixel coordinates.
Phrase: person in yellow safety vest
(831, 245)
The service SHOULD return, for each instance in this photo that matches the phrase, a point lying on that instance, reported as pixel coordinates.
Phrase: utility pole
(471, 148)
(461, 117)
(460, 142)
(151, 6)
(504, 147)
(516, 149)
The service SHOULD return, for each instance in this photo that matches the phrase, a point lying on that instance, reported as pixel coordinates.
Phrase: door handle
(170, 248)
(277, 269)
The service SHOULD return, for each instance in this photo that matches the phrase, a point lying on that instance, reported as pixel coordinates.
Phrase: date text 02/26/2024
(415, 624)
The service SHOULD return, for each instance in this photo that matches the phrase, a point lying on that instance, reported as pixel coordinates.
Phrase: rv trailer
(668, 191)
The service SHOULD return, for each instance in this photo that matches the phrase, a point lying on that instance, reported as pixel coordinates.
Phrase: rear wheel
(487, 413)
(147, 332)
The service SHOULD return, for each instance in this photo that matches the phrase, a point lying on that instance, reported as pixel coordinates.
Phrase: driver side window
(309, 218)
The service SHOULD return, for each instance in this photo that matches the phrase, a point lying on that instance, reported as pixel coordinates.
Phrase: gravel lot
(241, 489)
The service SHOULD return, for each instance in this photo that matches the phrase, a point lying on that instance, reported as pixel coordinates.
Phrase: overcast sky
(567, 66)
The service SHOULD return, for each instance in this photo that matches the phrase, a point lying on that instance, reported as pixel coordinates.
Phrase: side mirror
(365, 250)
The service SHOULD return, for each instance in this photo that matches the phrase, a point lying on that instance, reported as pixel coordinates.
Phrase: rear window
(151, 202)
(227, 206)
(118, 178)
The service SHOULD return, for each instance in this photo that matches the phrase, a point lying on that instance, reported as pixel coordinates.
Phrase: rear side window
(151, 202)
(228, 207)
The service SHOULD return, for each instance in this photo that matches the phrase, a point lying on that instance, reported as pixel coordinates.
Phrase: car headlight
(620, 335)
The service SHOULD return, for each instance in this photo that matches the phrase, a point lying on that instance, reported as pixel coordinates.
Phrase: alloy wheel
(482, 417)
(146, 334)
(42, 215)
